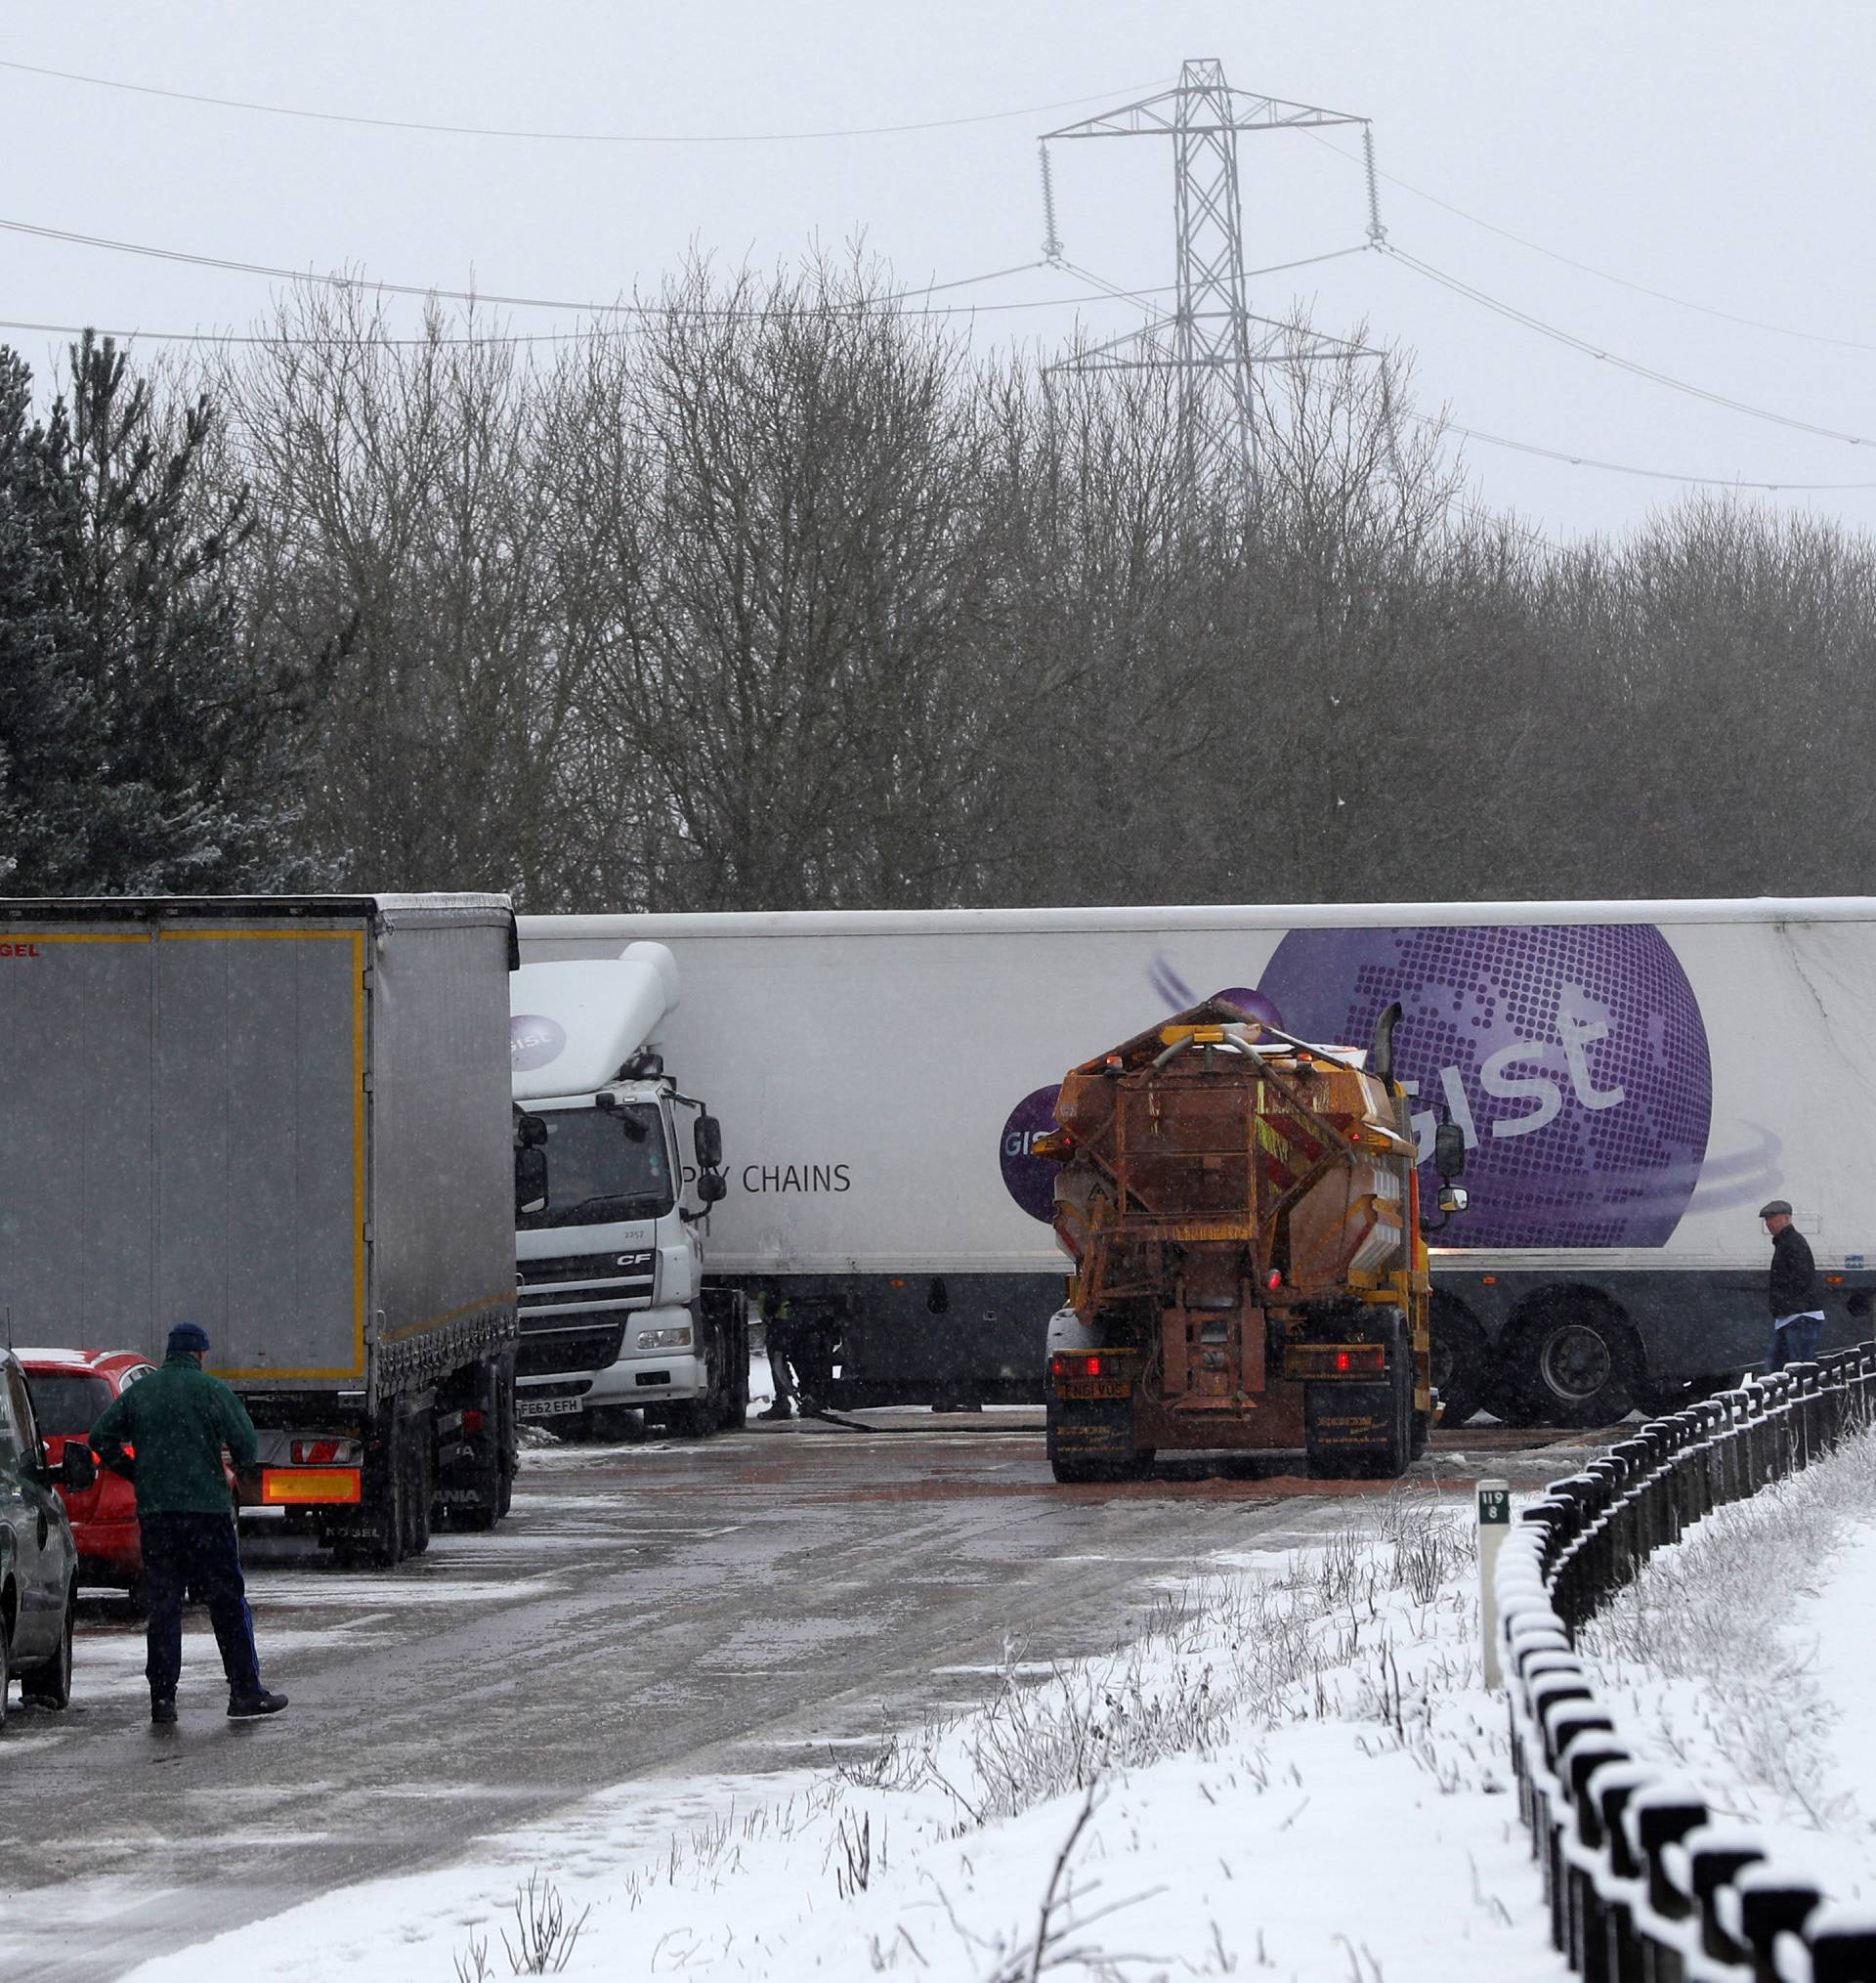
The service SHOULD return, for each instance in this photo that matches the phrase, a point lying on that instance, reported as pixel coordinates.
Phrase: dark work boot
(252, 1706)
(163, 1710)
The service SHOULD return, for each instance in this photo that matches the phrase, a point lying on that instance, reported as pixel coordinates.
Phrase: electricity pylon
(1213, 337)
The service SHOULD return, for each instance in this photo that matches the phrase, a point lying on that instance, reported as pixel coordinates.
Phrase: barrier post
(1494, 1524)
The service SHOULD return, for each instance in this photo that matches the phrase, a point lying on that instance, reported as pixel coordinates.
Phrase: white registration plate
(545, 1408)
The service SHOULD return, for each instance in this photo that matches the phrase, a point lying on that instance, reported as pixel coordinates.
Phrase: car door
(44, 1551)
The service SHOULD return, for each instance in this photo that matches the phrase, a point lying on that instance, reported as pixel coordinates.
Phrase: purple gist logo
(1030, 1179)
(533, 1040)
(1573, 1056)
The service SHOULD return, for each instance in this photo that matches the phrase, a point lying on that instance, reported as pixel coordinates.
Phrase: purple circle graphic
(1575, 1057)
(1252, 1004)
(534, 1041)
(1030, 1179)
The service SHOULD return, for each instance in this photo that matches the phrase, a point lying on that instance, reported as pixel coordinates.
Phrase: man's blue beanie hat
(189, 1336)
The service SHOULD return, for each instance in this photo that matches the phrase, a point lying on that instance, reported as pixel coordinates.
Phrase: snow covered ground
(1293, 1772)
(1742, 1656)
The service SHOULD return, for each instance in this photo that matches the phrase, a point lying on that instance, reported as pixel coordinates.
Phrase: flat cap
(1775, 1205)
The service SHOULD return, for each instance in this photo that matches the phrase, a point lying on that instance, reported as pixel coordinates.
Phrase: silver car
(38, 1559)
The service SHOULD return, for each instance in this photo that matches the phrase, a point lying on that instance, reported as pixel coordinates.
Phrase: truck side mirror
(531, 1181)
(78, 1466)
(1449, 1151)
(1454, 1200)
(708, 1138)
(713, 1187)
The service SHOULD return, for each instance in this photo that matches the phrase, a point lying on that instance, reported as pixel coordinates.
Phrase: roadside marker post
(1494, 1524)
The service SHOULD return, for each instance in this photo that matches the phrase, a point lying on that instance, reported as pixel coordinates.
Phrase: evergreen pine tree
(193, 793)
(51, 730)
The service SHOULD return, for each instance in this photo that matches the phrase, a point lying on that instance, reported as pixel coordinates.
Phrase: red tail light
(315, 1453)
(474, 1421)
(1273, 1278)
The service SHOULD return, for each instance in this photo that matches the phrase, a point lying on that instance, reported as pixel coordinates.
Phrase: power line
(1105, 293)
(1589, 269)
(1512, 313)
(560, 137)
(280, 273)
(1625, 468)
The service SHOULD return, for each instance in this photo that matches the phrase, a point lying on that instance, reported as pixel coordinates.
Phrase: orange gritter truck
(1242, 1211)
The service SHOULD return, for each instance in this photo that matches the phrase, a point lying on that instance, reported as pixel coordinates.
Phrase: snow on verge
(1741, 1655)
(1292, 1772)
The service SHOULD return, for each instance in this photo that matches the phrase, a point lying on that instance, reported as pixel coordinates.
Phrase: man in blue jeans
(165, 1434)
(1796, 1322)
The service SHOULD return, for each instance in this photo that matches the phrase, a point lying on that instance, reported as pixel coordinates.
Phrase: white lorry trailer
(615, 1171)
(287, 1119)
(1633, 1081)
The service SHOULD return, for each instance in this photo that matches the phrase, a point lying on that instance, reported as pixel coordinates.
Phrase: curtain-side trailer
(1631, 1079)
(287, 1119)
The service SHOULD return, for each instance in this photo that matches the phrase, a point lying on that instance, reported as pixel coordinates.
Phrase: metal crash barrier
(1645, 1884)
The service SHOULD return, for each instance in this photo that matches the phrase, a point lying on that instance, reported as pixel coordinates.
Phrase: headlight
(663, 1339)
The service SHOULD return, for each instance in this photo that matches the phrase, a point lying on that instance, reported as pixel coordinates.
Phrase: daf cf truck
(615, 1170)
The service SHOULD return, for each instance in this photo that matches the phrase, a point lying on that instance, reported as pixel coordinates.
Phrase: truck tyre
(1461, 1359)
(508, 1460)
(49, 1685)
(698, 1417)
(418, 1488)
(735, 1392)
(384, 1547)
(1077, 1473)
(1572, 1363)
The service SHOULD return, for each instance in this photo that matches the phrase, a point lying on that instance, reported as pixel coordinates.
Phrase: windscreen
(603, 1164)
(67, 1405)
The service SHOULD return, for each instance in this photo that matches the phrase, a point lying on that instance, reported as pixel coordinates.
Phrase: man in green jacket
(166, 1435)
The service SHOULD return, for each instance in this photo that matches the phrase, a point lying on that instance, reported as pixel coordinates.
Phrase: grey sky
(1721, 152)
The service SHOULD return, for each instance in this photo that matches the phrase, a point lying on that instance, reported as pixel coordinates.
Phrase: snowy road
(666, 1609)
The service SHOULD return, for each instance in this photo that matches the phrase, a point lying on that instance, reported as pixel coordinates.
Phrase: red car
(71, 1389)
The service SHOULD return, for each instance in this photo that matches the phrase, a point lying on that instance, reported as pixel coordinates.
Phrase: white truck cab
(614, 1175)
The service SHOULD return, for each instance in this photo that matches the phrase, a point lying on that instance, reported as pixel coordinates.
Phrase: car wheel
(49, 1685)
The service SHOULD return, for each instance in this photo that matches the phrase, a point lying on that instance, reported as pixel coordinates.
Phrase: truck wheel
(1461, 1357)
(735, 1392)
(1574, 1363)
(384, 1548)
(697, 1417)
(418, 1488)
(49, 1685)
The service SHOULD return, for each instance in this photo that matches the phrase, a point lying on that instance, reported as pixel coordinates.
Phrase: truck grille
(532, 1303)
(585, 1266)
(583, 1279)
(587, 1346)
